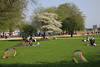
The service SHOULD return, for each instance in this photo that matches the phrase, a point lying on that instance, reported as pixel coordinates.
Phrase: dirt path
(16, 38)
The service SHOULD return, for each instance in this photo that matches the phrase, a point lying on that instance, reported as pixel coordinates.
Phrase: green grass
(50, 53)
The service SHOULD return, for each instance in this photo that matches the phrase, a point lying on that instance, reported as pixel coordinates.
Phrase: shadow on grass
(56, 64)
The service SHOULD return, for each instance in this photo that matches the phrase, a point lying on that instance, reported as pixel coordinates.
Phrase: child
(5, 56)
(14, 52)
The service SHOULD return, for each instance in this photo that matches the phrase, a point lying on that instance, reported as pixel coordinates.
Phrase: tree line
(64, 18)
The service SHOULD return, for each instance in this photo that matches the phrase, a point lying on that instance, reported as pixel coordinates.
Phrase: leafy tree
(28, 30)
(70, 15)
(21, 25)
(69, 25)
(47, 22)
(99, 29)
(11, 12)
(74, 22)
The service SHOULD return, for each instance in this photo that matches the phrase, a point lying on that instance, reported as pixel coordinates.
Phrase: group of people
(92, 40)
(29, 42)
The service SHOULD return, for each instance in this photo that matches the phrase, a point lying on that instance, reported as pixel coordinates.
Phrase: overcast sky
(90, 8)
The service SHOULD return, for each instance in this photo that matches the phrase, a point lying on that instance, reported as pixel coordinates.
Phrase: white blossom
(48, 22)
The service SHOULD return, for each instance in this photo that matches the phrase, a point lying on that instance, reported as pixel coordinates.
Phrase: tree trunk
(3, 34)
(44, 35)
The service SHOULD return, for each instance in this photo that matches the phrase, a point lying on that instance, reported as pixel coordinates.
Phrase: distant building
(95, 27)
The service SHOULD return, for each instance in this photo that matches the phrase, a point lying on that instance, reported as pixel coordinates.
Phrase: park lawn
(50, 53)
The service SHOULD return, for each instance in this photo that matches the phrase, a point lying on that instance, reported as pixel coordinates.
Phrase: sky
(90, 8)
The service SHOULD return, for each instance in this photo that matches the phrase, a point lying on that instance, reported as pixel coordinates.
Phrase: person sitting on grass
(34, 39)
(55, 38)
(27, 40)
(92, 41)
(30, 38)
(30, 43)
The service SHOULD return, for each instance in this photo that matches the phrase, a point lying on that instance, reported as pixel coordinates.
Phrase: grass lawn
(51, 53)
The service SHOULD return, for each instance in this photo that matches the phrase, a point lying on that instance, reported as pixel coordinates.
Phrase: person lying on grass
(78, 57)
